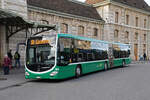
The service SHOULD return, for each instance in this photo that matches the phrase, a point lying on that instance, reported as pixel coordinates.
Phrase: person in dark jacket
(10, 57)
(10, 54)
(17, 59)
(144, 56)
(6, 64)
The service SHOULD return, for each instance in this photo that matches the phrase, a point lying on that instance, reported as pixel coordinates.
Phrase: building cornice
(129, 26)
(52, 12)
(107, 2)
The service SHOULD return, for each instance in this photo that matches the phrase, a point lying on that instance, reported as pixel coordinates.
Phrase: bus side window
(116, 51)
(74, 57)
(61, 45)
(84, 56)
(89, 56)
(80, 57)
(64, 49)
(80, 49)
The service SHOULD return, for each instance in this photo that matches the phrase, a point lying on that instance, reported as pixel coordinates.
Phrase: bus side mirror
(129, 52)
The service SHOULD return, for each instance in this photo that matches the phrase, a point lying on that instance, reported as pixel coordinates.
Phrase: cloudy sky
(148, 1)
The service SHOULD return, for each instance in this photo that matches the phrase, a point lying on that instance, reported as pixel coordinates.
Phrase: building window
(145, 21)
(144, 48)
(127, 19)
(95, 32)
(127, 35)
(136, 21)
(81, 30)
(144, 37)
(64, 28)
(116, 17)
(116, 35)
(136, 36)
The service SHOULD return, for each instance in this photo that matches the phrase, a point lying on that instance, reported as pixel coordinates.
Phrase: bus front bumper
(48, 75)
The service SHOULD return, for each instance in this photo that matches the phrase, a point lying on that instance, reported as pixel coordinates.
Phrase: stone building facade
(86, 22)
(16, 6)
(127, 21)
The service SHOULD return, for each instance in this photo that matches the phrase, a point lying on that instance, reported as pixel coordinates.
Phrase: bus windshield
(41, 53)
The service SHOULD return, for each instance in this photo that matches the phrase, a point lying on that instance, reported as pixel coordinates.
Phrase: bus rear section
(121, 54)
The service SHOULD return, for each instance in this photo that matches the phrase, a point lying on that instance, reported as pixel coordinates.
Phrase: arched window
(64, 28)
(95, 32)
(116, 17)
(127, 19)
(81, 30)
(145, 23)
(144, 48)
(127, 35)
(136, 21)
(116, 35)
(136, 36)
(144, 37)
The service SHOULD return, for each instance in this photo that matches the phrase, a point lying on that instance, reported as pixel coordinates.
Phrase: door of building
(0, 49)
(136, 51)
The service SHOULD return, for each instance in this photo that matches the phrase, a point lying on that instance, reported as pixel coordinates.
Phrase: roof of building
(93, 1)
(11, 19)
(141, 4)
(67, 6)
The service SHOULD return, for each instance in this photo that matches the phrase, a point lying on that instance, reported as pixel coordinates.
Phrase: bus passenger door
(110, 56)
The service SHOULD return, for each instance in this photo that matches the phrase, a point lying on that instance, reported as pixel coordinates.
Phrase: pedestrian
(17, 59)
(10, 57)
(141, 57)
(6, 64)
(144, 56)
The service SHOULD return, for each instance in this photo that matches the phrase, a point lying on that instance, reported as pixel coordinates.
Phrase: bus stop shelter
(13, 24)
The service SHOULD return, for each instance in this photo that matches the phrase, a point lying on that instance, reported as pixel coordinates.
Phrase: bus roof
(86, 38)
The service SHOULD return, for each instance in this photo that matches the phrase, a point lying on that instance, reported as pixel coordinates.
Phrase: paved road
(129, 83)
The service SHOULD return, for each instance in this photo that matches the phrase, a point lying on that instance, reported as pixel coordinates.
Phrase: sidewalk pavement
(140, 62)
(15, 77)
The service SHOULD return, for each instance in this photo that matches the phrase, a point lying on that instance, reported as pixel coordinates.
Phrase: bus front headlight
(26, 73)
(53, 73)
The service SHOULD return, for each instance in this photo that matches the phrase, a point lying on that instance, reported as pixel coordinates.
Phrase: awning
(15, 23)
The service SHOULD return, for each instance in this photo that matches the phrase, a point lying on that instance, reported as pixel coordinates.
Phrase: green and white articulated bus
(62, 56)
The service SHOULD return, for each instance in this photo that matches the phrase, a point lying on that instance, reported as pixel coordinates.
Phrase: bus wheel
(105, 66)
(78, 71)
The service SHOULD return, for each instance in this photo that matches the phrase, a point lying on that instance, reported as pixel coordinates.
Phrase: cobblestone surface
(128, 83)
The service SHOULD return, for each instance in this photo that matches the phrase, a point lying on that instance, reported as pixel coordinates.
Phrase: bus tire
(78, 71)
(105, 66)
